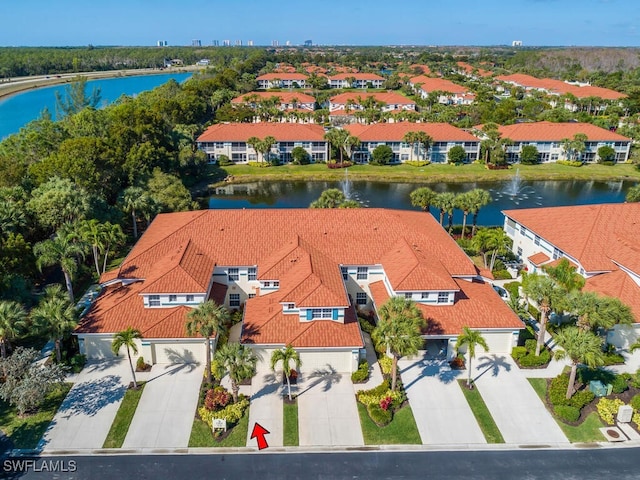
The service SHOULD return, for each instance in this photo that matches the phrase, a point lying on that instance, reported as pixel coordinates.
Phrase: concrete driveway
(85, 417)
(164, 416)
(441, 411)
(266, 405)
(327, 410)
(516, 408)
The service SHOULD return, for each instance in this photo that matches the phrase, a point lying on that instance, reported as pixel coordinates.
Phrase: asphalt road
(601, 464)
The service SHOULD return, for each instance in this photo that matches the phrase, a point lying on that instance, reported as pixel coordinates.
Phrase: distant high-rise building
(161, 43)
(226, 43)
(249, 43)
(308, 43)
(196, 43)
(215, 43)
(238, 43)
(516, 43)
(275, 43)
(287, 43)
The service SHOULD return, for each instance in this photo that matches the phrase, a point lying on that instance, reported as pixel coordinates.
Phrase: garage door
(498, 342)
(322, 361)
(179, 352)
(98, 348)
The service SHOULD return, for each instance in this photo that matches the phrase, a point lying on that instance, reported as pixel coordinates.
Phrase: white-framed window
(556, 254)
(189, 298)
(252, 273)
(345, 273)
(536, 240)
(266, 284)
(424, 295)
(519, 252)
(234, 299)
(363, 273)
(523, 230)
(361, 298)
(276, 284)
(173, 298)
(252, 295)
(154, 300)
(289, 306)
(408, 295)
(443, 297)
(321, 313)
(234, 274)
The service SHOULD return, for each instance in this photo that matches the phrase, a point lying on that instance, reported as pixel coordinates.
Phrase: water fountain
(515, 185)
(346, 185)
(516, 192)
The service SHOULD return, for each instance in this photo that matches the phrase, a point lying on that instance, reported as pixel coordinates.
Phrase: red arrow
(259, 432)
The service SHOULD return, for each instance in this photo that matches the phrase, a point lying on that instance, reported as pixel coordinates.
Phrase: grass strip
(481, 412)
(201, 435)
(121, 422)
(401, 431)
(26, 432)
(290, 425)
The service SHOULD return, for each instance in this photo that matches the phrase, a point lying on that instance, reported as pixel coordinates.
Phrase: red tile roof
(282, 76)
(424, 68)
(440, 132)
(240, 132)
(617, 284)
(559, 87)
(284, 97)
(469, 69)
(556, 132)
(538, 258)
(477, 306)
(430, 84)
(357, 76)
(389, 98)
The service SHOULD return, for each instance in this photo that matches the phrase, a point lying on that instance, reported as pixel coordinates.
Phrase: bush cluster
(501, 274)
(259, 164)
(380, 416)
(570, 163)
(558, 391)
(612, 358)
(417, 163)
(361, 375)
(333, 164)
(232, 413)
(224, 161)
(526, 356)
(217, 398)
(608, 408)
(635, 402)
(365, 325)
(567, 412)
(381, 392)
(386, 363)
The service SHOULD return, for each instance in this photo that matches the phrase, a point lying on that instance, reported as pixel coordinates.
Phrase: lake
(506, 195)
(19, 109)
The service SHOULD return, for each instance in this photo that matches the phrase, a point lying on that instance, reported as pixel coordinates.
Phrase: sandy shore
(20, 84)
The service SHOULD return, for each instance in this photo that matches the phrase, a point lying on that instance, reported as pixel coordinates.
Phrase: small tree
(457, 155)
(12, 318)
(238, 361)
(633, 194)
(471, 338)
(286, 356)
(208, 320)
(580, 347)
(381, 155)
(606, 154)
(300, 156)
(127, 338)
(55, 316)
(27, 383)
(529, 155)
(330, 198)
(547, 295)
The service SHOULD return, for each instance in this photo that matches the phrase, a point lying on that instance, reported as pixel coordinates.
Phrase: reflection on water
(396, 195)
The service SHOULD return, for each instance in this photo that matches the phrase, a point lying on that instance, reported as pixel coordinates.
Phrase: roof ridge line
(593, 226)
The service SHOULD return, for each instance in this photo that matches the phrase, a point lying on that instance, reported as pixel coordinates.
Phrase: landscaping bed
(526, 358)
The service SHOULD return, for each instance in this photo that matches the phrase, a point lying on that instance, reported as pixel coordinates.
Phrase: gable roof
(440, 132)
(282, 76)
(390, 98)
(241, 132)
(559, 87)
(285, 97)
(550, 131)
(357, 76)
(430, 84)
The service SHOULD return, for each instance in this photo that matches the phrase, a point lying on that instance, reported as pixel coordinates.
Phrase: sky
(325, 22)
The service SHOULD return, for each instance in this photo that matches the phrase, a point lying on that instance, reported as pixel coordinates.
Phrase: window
(321, 313)
(154, 300)
(443, 297)
(234, 275)
(556, 254)
(424, 295)
(345, 273)
(361, 298)
(536, 240)
(408, 295)
(253, 273)
(252, 295)
(234, 299)
(173, 298)
(276, 284)
(266, 284)
(289, 306)
(519, 252)
(523, 230)
(363, 273)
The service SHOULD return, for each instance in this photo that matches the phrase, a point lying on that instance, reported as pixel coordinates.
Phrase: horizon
(537, 23)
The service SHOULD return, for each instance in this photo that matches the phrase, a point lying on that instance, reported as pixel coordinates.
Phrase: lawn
(401, 430)
(201, 435)
(120, 425)
(432, 173)
(26, 432)
(587, 431)
(290, 431)
(482, 414)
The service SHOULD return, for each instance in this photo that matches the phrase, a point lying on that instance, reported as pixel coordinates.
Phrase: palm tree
(262, 147)
(565, 274)
(424, 140)
(93, 233)
(12, 318)
(61, 250)
(445, 202)
(547, 295)
(580, 347)
(482, 241)
(465, 202)
(479, 198)
(113, 236)
(399, 328)
(55, 316)
(633, 194)
(237, 360)
(127, 338)
(422, 197)
(471, 338)
(411, 139)
(330, 198)
(208, 320)
(342, 140)
(286, 356)
(134, 201)
(595, 311)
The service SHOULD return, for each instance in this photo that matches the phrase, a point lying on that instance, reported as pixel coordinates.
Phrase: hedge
(361, 375)
(567, 412)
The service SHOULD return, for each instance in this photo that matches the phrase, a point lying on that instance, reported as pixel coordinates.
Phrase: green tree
(399, 330)
(580, 347)
(329, 198)
(465, 202)
(262, 147)
(606, 154)
(62, 251)
(594, 311)
(208, 320)
(55, 316)
(574, 147)
(472, 339)
(300, 156)
(169, 193)
(286, 356)
(566, 275)
(480, 199)
(76, 97)
(445, 202)
(12, 320)
(381, 155)
(238, 361)
(342, 140)
(411, 139)
(529, 155)
(94, 234)
(59, 201)
(633, 194)
(134, 201)
(113, 237)
(457, 155)
(127, 338)
(547, 295)
(422, 197)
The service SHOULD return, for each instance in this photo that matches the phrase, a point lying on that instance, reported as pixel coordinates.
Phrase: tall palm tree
(595, 311)
(400, 323)
(238, 361)
(127, 338)
(134, 201)
(12, 319)
(60, 250)
(285, 356)
(480, 198)
(422, 197)
(483, 242)
(411, 139)
(565, 274)
(465, 202)
(580, 347)
(114, 236)
(94, 233)
(445, 202)
(471, 338)
(208, 320)
(55, 316)
(547, 295)
(424, 140)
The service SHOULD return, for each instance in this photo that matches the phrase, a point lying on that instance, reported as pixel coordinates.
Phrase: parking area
(266, 405)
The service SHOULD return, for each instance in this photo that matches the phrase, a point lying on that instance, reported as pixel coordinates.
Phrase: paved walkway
(375, 373)
(327, 410)
(86, 414)
(266, 405)
(164, 416)
(517, 410)
(439, 407)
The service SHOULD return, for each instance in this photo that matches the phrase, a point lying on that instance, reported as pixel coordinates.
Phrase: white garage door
(497, 342)
(179, 352)
(323, 361)
(98, 348)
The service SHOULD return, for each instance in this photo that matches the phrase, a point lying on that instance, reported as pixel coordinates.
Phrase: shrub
(582, 398)
(567, 413)
(636, 419)
(457, 363)
(531, 360)
(634, 380)
(512, 288)
(530, 345)
(300, 156)
(378, 415)
(140, 363)
(635, 402)
(417, 163)
(333, 164)
(224, 161)
(385, 364)
(259, 164)
(77, 362)
(535, 313)
(619, 384)
(217, 398)
(501, 275)
(608, 408)
(381, 155)
(231, 413)
(612, 358)
(570, 163)
(518, 352)
(377, 394)
(386, 402)
(365, 325)
(558, 390)
(361, 374)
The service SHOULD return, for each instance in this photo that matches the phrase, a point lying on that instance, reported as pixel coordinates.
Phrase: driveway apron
(517, 410)
(86, 414)
(164, 416)
(266, 405)
(441, 411)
